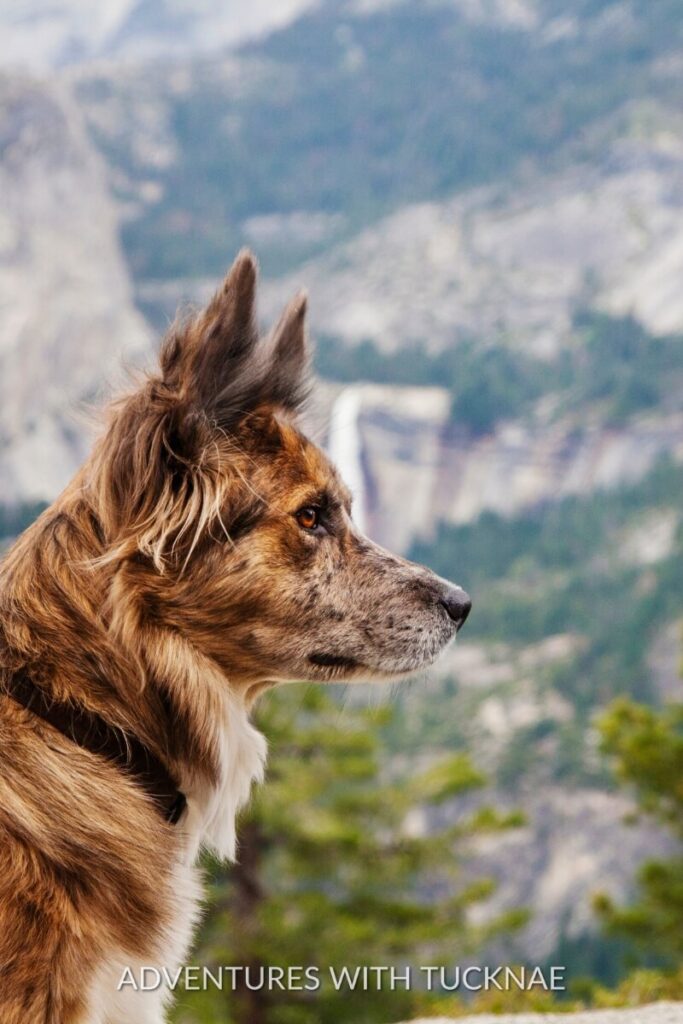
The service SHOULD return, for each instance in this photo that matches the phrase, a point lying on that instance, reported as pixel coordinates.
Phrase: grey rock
(655, 1013)
(67, 318)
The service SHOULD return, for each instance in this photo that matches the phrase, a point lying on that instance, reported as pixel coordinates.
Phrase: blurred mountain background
(485, 201)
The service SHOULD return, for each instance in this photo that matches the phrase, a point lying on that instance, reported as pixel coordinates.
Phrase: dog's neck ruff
(89, 731)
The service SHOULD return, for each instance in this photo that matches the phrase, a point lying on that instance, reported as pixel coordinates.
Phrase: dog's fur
(173, 580)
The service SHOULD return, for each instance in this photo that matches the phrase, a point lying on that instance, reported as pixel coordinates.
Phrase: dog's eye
(308, 517)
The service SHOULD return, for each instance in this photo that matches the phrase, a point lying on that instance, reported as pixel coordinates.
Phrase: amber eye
(308, 518)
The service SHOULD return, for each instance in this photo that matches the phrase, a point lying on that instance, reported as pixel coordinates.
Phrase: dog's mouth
(341, 665)
(392, 654)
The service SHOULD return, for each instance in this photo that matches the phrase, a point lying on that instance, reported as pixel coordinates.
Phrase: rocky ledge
(656, 1013)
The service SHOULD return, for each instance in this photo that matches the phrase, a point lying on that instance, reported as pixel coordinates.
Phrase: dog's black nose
(457, 603)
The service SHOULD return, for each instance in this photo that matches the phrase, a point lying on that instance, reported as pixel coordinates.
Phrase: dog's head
(236, 531)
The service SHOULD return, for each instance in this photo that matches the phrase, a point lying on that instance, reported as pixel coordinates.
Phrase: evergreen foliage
(611, 364)
(647, 746)
(335, 869)
(560, 569)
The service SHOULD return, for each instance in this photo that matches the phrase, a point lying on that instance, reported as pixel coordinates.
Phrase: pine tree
(647, 745)
(333, 871)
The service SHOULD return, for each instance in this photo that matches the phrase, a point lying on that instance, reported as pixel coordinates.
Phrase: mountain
(577, 602)
(45, 36)
(485, 202)
(404, 450)
(67, 316)
(515, 262)
(304, 138)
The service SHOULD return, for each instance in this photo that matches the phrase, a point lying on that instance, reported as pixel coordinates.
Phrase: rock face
(656, 1013)
(411, 468)
(576, 843)
(577, 838)
(67, 317)
(513, 262)
(46, 36)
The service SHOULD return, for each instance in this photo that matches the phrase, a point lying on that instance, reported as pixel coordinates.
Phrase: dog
(205, 552)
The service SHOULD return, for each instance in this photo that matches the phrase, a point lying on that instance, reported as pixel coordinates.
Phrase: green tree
(648, 747)
(333, 872)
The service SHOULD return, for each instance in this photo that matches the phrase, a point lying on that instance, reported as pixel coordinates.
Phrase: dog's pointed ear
(289, 370)
(228, 329)
(202, 356)
(216, 367)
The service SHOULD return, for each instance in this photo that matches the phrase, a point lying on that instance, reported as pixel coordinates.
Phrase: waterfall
(345, 447)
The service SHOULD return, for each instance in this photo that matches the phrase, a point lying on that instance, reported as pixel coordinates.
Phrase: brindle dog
(204, 552)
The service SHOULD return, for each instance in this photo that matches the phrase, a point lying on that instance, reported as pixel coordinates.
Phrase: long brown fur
(170, 583)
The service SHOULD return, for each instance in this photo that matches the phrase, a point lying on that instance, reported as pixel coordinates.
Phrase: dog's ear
(215, 376)
(289, 358)
(229, 330)
(204, 358)
(216, 366)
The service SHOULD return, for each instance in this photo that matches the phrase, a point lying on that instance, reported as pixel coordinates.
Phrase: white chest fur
(212, 809)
